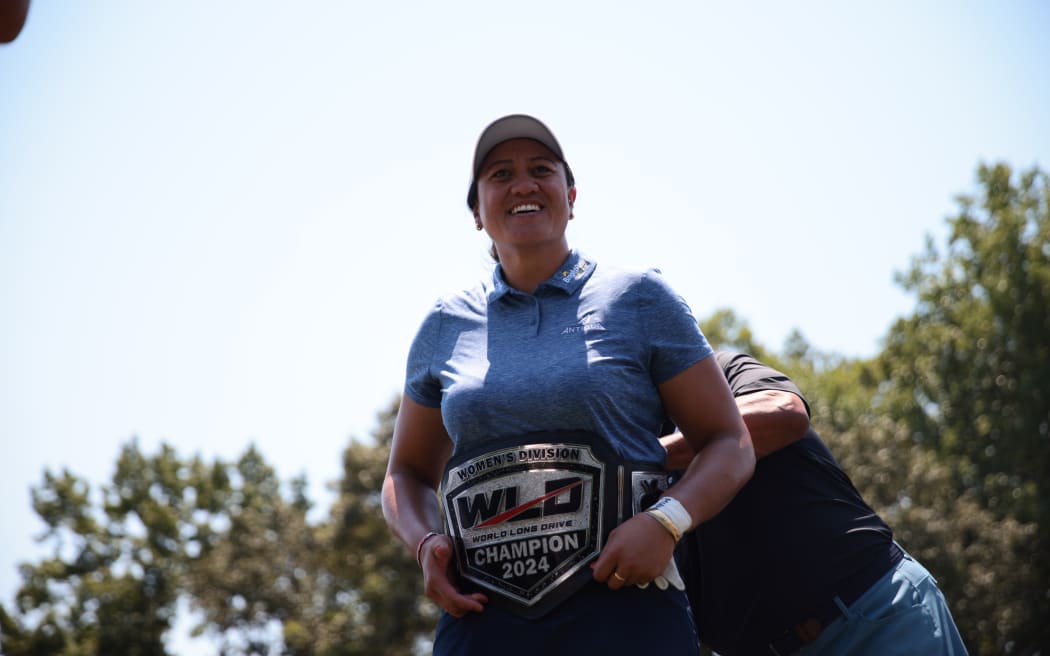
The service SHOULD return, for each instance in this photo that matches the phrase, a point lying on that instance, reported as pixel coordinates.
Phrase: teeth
(528, 207)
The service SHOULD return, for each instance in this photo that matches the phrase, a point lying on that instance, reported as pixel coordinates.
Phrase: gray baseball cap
(514, 126)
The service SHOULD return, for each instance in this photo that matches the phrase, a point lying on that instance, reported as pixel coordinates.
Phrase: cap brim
(515, 126)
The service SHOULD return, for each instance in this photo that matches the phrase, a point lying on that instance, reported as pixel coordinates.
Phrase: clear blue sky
(221, 222)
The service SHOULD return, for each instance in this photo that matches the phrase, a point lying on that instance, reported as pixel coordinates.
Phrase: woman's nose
(524, 185)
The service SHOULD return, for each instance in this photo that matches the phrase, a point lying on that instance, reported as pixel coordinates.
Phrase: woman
(533, 402)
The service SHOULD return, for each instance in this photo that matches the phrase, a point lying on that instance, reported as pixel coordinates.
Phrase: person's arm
(774, 419)
(698, 400)
(418, 453)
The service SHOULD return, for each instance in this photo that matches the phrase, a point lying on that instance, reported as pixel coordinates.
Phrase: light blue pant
(904, 613)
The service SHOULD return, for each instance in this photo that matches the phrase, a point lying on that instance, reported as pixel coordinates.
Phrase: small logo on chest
(586, 326)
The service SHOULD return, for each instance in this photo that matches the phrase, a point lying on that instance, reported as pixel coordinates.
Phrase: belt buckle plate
(526, 519)
(528, 514)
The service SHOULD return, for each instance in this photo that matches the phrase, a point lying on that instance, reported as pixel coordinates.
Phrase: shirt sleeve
(675, 339)
(746, 375)
(421, 385)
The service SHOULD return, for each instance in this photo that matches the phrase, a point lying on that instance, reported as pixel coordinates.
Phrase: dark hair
(472, 192)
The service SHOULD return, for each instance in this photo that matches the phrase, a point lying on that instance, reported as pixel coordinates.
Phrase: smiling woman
(533, 402)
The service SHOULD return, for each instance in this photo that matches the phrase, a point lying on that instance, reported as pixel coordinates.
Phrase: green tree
(389, 615)
(968, 374)
(112, 580)
(343, 587)
(261, 570)
(227, 538)
(725, 330)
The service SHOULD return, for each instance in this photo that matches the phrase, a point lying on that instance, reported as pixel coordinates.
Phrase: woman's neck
(527, 269)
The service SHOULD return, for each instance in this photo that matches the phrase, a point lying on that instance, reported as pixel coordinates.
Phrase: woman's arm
(698, 400)
(418, 453)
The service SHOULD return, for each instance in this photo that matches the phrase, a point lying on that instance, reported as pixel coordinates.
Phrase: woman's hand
(436, 559)
(636, 552)
(418, 453)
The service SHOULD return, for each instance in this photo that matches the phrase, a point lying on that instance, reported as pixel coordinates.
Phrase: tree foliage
(968, 366)
(112, 580)
(231, 540)
(968, 375)
(383, 574)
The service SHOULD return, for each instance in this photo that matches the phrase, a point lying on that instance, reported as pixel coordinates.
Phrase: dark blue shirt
(791, 538)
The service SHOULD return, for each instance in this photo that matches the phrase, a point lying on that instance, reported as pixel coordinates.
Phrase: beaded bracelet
(422, 541)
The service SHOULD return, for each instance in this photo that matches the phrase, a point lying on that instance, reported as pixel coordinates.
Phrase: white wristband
(676, 512)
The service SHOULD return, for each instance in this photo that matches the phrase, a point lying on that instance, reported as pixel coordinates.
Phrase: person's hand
(679, 453)
(436, 559)
(636, 553)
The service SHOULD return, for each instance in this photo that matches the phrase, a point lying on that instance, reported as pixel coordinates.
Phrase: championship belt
(528, 514)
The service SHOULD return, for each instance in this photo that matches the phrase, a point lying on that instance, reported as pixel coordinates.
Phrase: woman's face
(523, 197)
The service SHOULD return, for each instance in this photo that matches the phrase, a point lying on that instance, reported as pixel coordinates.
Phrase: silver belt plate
(527, 518)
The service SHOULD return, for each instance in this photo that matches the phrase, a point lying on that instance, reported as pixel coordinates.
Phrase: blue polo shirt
(584, 352)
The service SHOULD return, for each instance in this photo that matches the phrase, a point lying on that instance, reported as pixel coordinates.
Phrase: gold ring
(619, 578)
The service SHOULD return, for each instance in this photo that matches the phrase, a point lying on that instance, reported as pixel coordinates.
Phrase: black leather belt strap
(527, 514)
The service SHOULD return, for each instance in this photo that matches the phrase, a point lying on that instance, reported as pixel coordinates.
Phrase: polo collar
(569, 277)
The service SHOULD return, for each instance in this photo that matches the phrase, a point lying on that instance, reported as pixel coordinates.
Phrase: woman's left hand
(636, 552)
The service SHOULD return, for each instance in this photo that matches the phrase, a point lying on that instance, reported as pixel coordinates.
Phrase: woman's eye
(500, 173)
